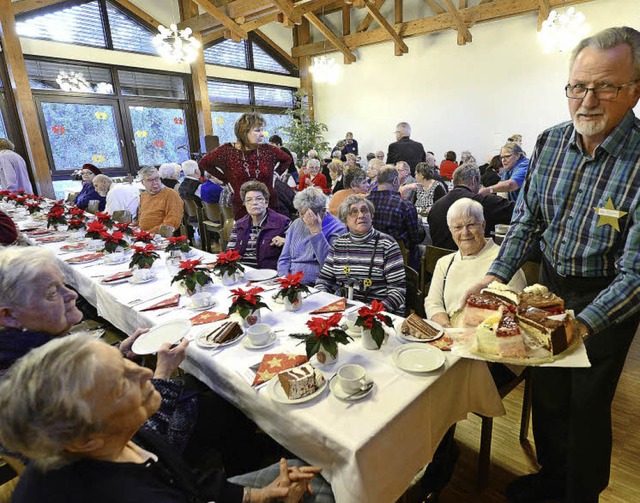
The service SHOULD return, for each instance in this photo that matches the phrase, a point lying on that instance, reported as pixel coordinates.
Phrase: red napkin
(84, 258)
(50, 239)
(444, 343)
(40, 232)
(207, 317)
(334, 307)
(274, 363)
(117, 276)
(170, 302)
(78, 246)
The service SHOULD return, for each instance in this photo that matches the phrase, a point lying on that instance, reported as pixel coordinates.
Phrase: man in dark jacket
(405, 149)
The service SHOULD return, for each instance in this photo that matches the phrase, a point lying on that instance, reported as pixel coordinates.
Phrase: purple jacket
(275, 225)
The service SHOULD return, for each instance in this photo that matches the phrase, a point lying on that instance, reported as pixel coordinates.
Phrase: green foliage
(304, 132)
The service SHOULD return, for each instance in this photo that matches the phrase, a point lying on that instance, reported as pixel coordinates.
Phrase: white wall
(458, 98)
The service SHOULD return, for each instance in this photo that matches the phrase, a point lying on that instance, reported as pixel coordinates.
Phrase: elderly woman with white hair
(191, 182)
(365, 259)
(313, 177)
(89, 442)
(309, 237)
(454, 273)
(170, 174)
(120, 196)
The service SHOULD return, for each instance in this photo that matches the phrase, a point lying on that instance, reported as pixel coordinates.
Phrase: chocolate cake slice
(224, 333)
(299, 381)
(553, 335)
(540, 297)
(417, 327)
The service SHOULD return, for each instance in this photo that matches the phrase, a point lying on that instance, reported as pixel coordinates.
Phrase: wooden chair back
(193, 211)
(123, 216)
(93, 206)
(212, 224)
(429, 260)
(414, 302)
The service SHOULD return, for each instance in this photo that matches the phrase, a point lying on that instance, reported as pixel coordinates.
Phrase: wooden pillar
(398, 17)
(302, 36)
(201, 93)
(27, 114)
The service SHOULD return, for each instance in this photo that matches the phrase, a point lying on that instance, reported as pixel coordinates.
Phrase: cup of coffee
(201, 299)
(351, 323)
(141, 275)
(352, 377)
(96, 244)
(502, 229)
(259, 334)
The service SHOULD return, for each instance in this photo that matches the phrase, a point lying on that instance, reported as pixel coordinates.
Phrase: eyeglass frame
(355, 212)
(597, 90)
(470, 227)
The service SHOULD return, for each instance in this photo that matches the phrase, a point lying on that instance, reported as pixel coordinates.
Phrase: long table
(369, 450)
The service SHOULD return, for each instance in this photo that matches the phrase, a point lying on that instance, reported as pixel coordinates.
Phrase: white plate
(336, 389)
(202, 308)
(201, 338)
(250, 345)
(260, 274)
(418, 357)
(171, 332)
(277, 394)
(134, 281)
(411, 338)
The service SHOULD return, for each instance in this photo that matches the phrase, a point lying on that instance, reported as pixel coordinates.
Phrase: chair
(415, 296)
(193, 215)
(71, 196)
(212, 223)
(431, 256)
(486, 431)
(93, 206)
(403, 250)
(123, 216)
(166, 231)
(229, 222)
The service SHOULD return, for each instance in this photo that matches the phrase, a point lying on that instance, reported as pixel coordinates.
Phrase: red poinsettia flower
(228, 257)
(291, 280)
(20, 191)
(189, 266)
(76, 212)
(251, 296)
(96, 226)
(55, 212)
(76, 223)
(321, 326)
(177, 239)
(144, 250)
(103, 216)
(144, 236)
(114, 237)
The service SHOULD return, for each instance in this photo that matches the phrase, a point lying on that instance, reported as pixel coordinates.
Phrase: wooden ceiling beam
(380, 19)
(330, 36)
(368, 19)
(464, 35)
(23, 6)
(235, 31)
(188, 9)
(435, 6)
(251, 25)
(543, 13)
(498, 9)
(134, 9)
(286, 6)
(398, 12)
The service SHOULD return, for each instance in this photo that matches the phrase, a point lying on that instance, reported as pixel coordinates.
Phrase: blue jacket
(275, 225)
(89, 193)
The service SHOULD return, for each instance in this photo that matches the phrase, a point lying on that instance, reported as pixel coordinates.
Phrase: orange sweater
(164, 208)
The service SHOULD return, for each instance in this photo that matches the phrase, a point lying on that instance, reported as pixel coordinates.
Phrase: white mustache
(591, 111)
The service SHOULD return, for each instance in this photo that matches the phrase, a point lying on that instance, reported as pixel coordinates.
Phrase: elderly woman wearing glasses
(515, 166)
(455, 272)
(367, 260)
(88, 192)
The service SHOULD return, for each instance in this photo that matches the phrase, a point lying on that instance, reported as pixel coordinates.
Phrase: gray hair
(146, 171)
(466, 175)
(465, 208)
(430, 159)
(404, 128)
(19, 268)
(254, 186)
(426, 171)
(335, 167)
(610, 38)
(190, 168)
(353, 175)
(312, 198)
(313, 162)
(337, 153)
(388, 174)
(465, 155)
(343, 210)
(103, 181)
(5, 144)
(53, 407)
(377, 164)
(403, 165)
(312, 154)
(513, 148)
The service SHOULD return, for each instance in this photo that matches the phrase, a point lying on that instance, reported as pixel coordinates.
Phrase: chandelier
(176, 46)
(325, 70)
(562, 32)
(73, 82)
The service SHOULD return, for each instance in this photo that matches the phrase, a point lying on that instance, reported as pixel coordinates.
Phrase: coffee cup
(502, 229)
(96, 244)
(201, 299)
(259, 334)
(141, 274)
(351, 323)
(352, 377)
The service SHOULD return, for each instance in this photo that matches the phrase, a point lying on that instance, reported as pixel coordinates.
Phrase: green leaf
(312, 345)
(329, 343)
(377, 334)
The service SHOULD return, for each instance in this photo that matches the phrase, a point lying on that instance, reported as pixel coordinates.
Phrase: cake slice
(500, 335)
(417, 327)
(224, 333)
(551, 334)
(299, 381)
(540, 297)
(483, 305)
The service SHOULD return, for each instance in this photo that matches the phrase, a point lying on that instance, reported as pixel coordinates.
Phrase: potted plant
(191, 276)
(291, 290)
(325, 336)
(94, 229)
(247, 303)
(33, 207)
(105, 218)
(124, 227)
(113, 241)
(304, 132)
(56, 217)
(77, 213)
(178, 244)
(228, 267)
(143, 256)
(21, 200)
(76, 224)
(143, 236)
(371, 320)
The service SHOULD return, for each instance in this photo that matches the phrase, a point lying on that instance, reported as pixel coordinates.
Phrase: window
(3, 128)
(127, 34)
(51, 75)
(224, 91)
(273, 96)
(80, 133)
(275, 123)
(223, 123)
(262, 61)
(152, 84)
(227, 53)
(160, 135)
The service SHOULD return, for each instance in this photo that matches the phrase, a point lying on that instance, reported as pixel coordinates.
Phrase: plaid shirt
(396, 217)
(557, 210)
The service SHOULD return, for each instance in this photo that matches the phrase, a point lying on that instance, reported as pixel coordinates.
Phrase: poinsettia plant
(113, 240)
(4, 194)
(105, 218)
(94, 229)
(76, 224)
(143, 256)
(124, 227)
(56, 216)
(325, 333)
(33, 207)
(191, 274)
(143, 236)
(229, 263)
(178, 243)
(245, 302)
(77, 213)
(21, 200)
(291, 285)
(372, 318)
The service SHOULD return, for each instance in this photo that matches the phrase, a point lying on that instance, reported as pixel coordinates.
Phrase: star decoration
(274, 362)
(266, 375)
(609, 215)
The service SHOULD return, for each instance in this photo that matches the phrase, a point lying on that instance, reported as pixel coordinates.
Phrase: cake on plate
(487, 303)
(500, 335)
(417, 327)
(298, 382)
(540, 297)
(224, 333)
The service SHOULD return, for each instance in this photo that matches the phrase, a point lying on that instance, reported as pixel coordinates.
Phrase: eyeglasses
(471, 227)
(354, 212)
(602, 92)
(152, 180)
(504, 157)
(251, 200)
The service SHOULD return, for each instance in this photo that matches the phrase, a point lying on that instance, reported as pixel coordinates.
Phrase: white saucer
(134, 281)
(115, 262)
(246, 342)
(278, 394)
(336, 389)
(202, 308)
(260, 274)
(418, 357)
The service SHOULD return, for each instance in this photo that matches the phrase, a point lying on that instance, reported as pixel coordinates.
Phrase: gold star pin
(609, 215)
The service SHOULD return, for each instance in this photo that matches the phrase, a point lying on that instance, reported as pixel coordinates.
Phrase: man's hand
(479, 286)
(125, 346)
(312, 221)
(169, 358)
(581, 329)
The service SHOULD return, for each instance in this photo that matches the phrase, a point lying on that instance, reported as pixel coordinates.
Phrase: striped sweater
(354, 257)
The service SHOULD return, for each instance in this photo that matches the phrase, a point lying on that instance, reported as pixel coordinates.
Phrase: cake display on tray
(487, 303)
(299, 382)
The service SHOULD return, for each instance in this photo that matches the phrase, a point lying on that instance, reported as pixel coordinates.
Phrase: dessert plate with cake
(416, 329)
(223, 334)
(170, 332)
(528, 328)
(297, 385)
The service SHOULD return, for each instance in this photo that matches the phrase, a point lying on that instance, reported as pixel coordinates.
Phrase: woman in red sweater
(313, 177)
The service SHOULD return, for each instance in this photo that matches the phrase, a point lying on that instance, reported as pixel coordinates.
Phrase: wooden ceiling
(234, 19)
